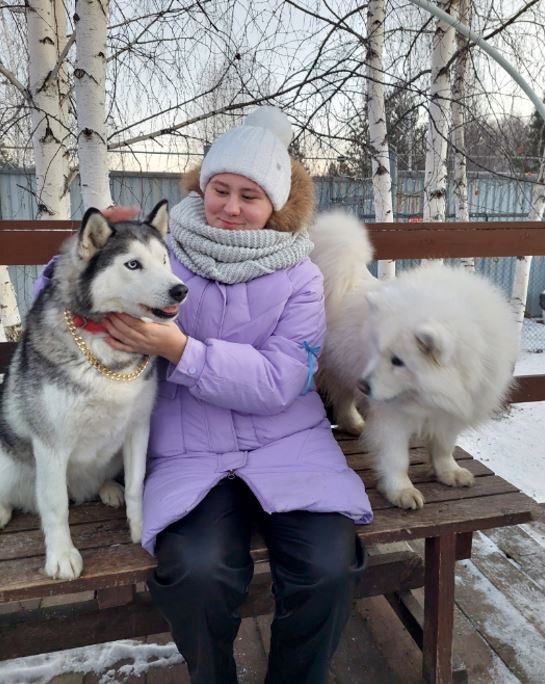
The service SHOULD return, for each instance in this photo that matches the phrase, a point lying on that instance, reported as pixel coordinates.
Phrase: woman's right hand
(131, 334)
(115, 213)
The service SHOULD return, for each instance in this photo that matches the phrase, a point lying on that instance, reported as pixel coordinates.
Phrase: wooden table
(119, 608)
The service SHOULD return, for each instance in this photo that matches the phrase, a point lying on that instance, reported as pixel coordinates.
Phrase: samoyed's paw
(408, 497)
(111, 494)
(136, 530)
(63, 564)
(456, 477)
(5, 515)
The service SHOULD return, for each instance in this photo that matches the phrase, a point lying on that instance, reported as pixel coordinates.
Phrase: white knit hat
(257, 150)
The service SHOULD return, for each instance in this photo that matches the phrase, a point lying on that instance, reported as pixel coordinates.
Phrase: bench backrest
(34, 242)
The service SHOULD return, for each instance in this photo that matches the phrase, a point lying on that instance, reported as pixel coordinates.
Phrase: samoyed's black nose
(364, 387)
(178, 292)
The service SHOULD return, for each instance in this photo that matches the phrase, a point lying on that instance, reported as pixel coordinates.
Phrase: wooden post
(439, 609)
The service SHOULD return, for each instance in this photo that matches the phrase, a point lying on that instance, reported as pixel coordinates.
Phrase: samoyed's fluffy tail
(341, 251)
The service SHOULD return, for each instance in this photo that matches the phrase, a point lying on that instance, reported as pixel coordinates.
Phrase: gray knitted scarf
(230, 256)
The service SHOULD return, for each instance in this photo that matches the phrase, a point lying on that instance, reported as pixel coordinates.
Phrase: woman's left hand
(131, 334)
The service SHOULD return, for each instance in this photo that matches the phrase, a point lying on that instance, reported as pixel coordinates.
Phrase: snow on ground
(512, 444)
(99, 659)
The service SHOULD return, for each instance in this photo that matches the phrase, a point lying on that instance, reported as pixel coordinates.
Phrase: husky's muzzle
(177, 293)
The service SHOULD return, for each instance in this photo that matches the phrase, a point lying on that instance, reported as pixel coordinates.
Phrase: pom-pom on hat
(257, 150)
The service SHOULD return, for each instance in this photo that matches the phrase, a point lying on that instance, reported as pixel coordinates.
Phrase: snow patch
(99, 659)
(503, 625)
(512, 442)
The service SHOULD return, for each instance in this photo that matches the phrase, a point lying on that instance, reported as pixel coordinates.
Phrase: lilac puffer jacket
(241, 401)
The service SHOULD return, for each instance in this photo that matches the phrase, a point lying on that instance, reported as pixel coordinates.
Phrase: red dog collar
(90, 326)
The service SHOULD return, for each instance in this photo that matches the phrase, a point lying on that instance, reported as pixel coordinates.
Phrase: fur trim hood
(294, 216)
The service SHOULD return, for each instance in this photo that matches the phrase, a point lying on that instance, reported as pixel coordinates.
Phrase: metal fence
(490, 198)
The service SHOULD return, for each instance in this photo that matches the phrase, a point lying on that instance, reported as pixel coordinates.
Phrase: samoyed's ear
(433, 341)
(94, 233)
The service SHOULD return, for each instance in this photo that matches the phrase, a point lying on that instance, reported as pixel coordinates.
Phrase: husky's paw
(408, 497)
(456, 477)
(5, 515)
(136, 530)
(67, 564)
(111, 494)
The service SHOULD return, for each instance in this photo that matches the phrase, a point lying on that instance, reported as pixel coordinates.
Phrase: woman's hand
(131, 334)
(115, 213)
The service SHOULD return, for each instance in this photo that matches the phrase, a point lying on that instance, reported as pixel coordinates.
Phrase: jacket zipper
(231, 475)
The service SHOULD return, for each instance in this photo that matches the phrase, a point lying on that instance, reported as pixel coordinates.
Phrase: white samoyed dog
(430, 353)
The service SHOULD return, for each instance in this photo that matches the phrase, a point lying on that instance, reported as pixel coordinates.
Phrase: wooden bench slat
(55, 629)
(422, 473)
(418, 453)
(30, 543)
(30, 247)
(28, 242)
(109, 566)
(92, 511)
(483, 513)
(435, 492)
(528, 388)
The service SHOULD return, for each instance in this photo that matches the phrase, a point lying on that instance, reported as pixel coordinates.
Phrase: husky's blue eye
(133, 265)
(396, 361)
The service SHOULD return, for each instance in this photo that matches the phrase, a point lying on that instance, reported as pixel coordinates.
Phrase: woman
(239, 436)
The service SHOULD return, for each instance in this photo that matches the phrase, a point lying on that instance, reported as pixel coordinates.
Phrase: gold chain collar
(100, 367)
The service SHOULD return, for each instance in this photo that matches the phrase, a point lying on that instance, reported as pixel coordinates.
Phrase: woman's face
(235, 202)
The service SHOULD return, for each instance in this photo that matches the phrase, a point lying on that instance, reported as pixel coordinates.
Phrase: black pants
(204, 569)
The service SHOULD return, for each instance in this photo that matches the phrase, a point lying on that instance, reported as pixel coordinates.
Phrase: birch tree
(46, 25)
(435, 175)
(378, 135)
(524, 263)
(10, 320)
(459, 105)
(90, 90)
(45, 97)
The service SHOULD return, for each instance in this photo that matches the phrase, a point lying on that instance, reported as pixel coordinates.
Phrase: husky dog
(431, 353)
(74, 410)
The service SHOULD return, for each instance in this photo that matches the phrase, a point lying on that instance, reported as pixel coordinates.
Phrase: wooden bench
(116, 604)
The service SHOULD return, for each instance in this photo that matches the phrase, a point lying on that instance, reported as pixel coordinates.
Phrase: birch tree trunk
(459, 105)
(90, 88)
(10, 320)
(519, 292)
(48, 115)
(435, 175)
(378, 135)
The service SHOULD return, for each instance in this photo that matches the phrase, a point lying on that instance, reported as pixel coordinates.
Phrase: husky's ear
(433, 340)
(158, 217)
(94, 233)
